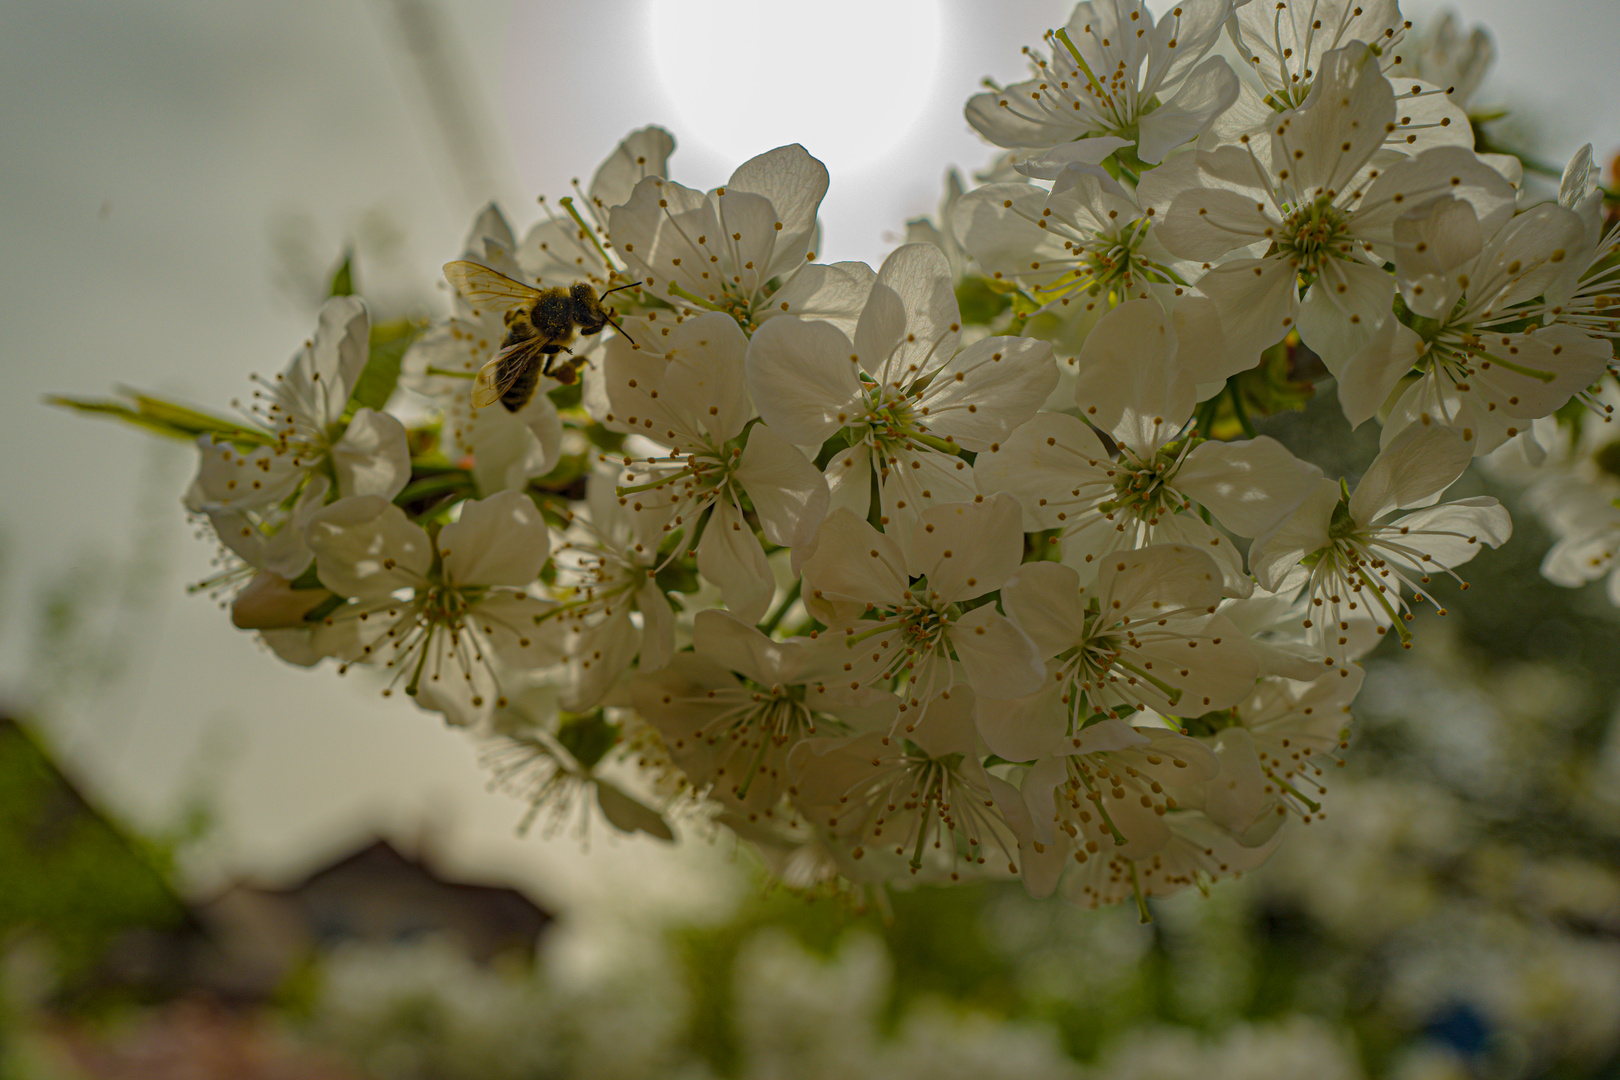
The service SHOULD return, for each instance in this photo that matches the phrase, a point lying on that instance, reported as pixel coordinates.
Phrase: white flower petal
(997, 657)
(1447, 171)
(1209, 90)
(1327, 141)
(1040, 457)
(1371, 374)
(911, 324)
(1258, 300)
(801, 378)
(501, 540)
(967, 549)
(1150, 582)
(729, 555)
(787, 490)
(1430, 247)
(373, 457)
(849, 480)
(833, 293)
(1274, 557)
(795, 183)
(1206, 223)
(1412, 470)
(988, 389)
(1248, 485)
(1344, 308)
(1129, 383)
(1043, 598)
(642, 153)
(853, 564)
(316, 386)
(1449, 534)
(598, 655)
(365, 547)
(1024, 728)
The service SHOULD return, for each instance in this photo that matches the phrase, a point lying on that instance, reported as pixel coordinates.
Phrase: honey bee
(540, 323)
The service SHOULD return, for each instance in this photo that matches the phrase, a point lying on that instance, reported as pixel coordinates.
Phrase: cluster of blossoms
(972, 564)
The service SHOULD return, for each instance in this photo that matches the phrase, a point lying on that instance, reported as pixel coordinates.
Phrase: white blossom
(1287, 42)
(733, 709)
(1135, 389)
(444, 614)
(260, 486)
(1081, 250)
(554, 763)
(1360, 564)
(685, 393)
(899, 613)
(743, 249)
(608, 600)
(1113, 71)
(1317, 211)
(1296, 728)
(905, 393)
(1104, 797)
(574, 245)
(1144, 635)
(1488, 355)
(925, 799)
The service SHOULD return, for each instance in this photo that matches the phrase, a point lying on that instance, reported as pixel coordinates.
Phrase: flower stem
(1142, 914)
(775, 618)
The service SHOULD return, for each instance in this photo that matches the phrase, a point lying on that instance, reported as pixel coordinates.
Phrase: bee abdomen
(522, 389)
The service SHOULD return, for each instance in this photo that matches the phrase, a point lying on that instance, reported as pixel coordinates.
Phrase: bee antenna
(616, 288)
(620, 329)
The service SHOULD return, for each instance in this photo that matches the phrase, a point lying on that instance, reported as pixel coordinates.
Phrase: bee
(540, 323)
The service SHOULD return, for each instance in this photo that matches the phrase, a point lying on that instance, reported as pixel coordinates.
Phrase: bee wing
(493, 381)
(483, 286)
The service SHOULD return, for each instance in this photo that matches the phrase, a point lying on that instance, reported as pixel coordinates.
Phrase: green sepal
(1210, 723)
(588, 737)
(1342, 525)
(429, 485)
(1024, 304)
(677, 576)
(320, 611)
(343, 276)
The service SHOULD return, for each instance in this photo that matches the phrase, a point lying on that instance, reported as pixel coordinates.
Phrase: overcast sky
(177, 174)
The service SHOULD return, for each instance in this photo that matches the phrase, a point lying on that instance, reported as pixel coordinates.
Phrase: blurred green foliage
(71, 876)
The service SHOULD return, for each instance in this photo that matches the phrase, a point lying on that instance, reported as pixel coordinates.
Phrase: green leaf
(980, 301)
(1278, 383)
(160, 416)
(377, 381)
(343, 277)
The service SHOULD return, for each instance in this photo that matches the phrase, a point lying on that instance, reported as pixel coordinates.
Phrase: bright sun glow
(744, 76)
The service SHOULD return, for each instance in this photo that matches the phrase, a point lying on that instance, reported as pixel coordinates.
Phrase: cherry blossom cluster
(974, 563)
